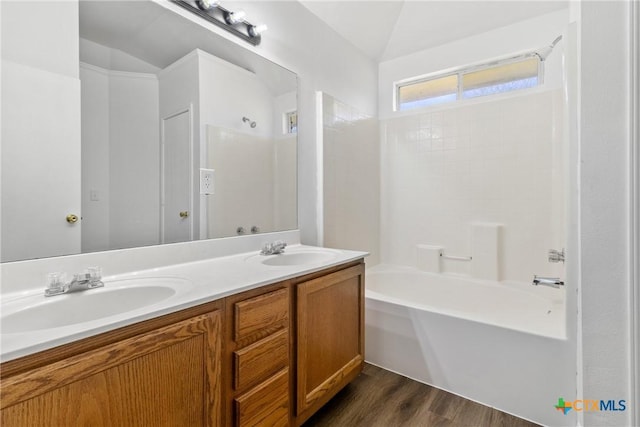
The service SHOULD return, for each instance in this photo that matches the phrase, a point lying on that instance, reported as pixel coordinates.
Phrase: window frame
(459, 72)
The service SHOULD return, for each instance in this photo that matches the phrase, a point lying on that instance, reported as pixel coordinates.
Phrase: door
(176, 220)
(40, 163)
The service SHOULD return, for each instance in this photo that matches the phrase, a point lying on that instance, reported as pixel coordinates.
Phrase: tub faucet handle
(556, 255)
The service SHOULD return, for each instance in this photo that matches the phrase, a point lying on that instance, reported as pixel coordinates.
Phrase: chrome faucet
(274, 248)
(553, 282)
(90, 279)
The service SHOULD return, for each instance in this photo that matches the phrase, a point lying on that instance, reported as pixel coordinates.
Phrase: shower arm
(545, 51)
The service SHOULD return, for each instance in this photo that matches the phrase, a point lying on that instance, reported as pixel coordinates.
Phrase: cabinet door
(330, 336)
(166, 377)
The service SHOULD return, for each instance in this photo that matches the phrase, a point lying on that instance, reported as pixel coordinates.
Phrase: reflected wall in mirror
(144, 124)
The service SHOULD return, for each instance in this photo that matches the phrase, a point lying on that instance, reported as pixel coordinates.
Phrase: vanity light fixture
(234, 22)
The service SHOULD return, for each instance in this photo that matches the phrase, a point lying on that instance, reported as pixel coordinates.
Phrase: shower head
(248, 120)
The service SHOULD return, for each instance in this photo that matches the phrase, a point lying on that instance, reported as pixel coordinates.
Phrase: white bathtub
(502, 344)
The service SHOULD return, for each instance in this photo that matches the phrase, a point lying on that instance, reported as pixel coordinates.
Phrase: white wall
(42, 35)
(499, 43)
(120, 156)
(285, 206)
(95, 158)
(228, 93)
(134, 160)
(604, 207)
(120, 146)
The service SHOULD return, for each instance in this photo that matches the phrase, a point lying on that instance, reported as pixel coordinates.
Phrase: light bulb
(207, 4)
(234, 17)
(256, 30)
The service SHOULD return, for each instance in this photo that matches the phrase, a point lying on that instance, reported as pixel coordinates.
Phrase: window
(428, 92)
(291, 122)
(488, 79)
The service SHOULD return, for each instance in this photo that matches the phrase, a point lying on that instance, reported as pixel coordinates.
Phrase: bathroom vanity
(269, 355)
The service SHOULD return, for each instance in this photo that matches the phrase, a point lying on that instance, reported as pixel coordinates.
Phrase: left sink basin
(37, 312)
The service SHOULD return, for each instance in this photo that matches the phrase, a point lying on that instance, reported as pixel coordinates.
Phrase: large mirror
(124, 124)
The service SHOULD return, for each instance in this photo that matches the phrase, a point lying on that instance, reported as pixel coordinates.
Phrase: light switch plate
(207, 177)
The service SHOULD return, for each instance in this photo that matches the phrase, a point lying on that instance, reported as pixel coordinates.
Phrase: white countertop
(210, 279)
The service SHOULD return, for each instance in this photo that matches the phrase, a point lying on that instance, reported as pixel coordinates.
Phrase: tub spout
(554, 282)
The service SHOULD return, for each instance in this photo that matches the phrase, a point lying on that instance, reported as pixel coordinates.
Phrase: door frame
(634, 186)
(189, 110)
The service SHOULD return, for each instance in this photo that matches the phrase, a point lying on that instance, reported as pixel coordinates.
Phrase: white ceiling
(385, 30)
(160, 37)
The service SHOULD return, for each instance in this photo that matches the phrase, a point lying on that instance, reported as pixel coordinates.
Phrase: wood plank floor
(379, 398)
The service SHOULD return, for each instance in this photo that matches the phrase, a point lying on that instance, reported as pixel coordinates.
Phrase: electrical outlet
(206, 181)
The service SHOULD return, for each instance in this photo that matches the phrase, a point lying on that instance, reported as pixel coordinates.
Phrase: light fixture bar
(219, 16)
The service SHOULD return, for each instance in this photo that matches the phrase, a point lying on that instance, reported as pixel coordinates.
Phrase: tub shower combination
(499, 343)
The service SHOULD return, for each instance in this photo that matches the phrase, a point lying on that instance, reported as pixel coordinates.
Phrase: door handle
(72, 219)
(184, 214)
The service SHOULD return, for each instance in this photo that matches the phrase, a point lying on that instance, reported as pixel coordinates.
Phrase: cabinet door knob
(184, 214)
(72, 219)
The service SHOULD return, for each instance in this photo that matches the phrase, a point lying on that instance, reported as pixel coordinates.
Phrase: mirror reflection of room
(173, 129)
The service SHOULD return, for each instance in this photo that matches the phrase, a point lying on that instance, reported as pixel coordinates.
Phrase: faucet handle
(56, 284)
(94, 276)
(94, 273)
(556, 255)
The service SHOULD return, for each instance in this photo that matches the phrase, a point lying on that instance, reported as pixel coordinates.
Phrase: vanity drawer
(264, 313)
(261, 359)
(266, 404)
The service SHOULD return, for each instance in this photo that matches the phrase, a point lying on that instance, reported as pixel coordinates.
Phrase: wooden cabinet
(271, 356)
(165, 376)
(330, 337)
(258, 353)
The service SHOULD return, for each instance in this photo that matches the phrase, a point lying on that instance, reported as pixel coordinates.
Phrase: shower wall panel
(351, 179)
(498, 161)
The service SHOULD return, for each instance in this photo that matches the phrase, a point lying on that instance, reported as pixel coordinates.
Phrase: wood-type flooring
(379, 398)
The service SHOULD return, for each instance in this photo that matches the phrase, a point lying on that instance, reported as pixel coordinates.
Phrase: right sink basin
(297, 257)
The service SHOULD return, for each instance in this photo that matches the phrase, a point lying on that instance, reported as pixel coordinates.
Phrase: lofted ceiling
(384, 30)
(159, 37)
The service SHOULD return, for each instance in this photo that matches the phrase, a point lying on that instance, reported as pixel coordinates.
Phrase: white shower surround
(499, 160)
(499, 343)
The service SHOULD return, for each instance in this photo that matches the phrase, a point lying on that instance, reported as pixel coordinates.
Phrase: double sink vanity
(245, 339)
